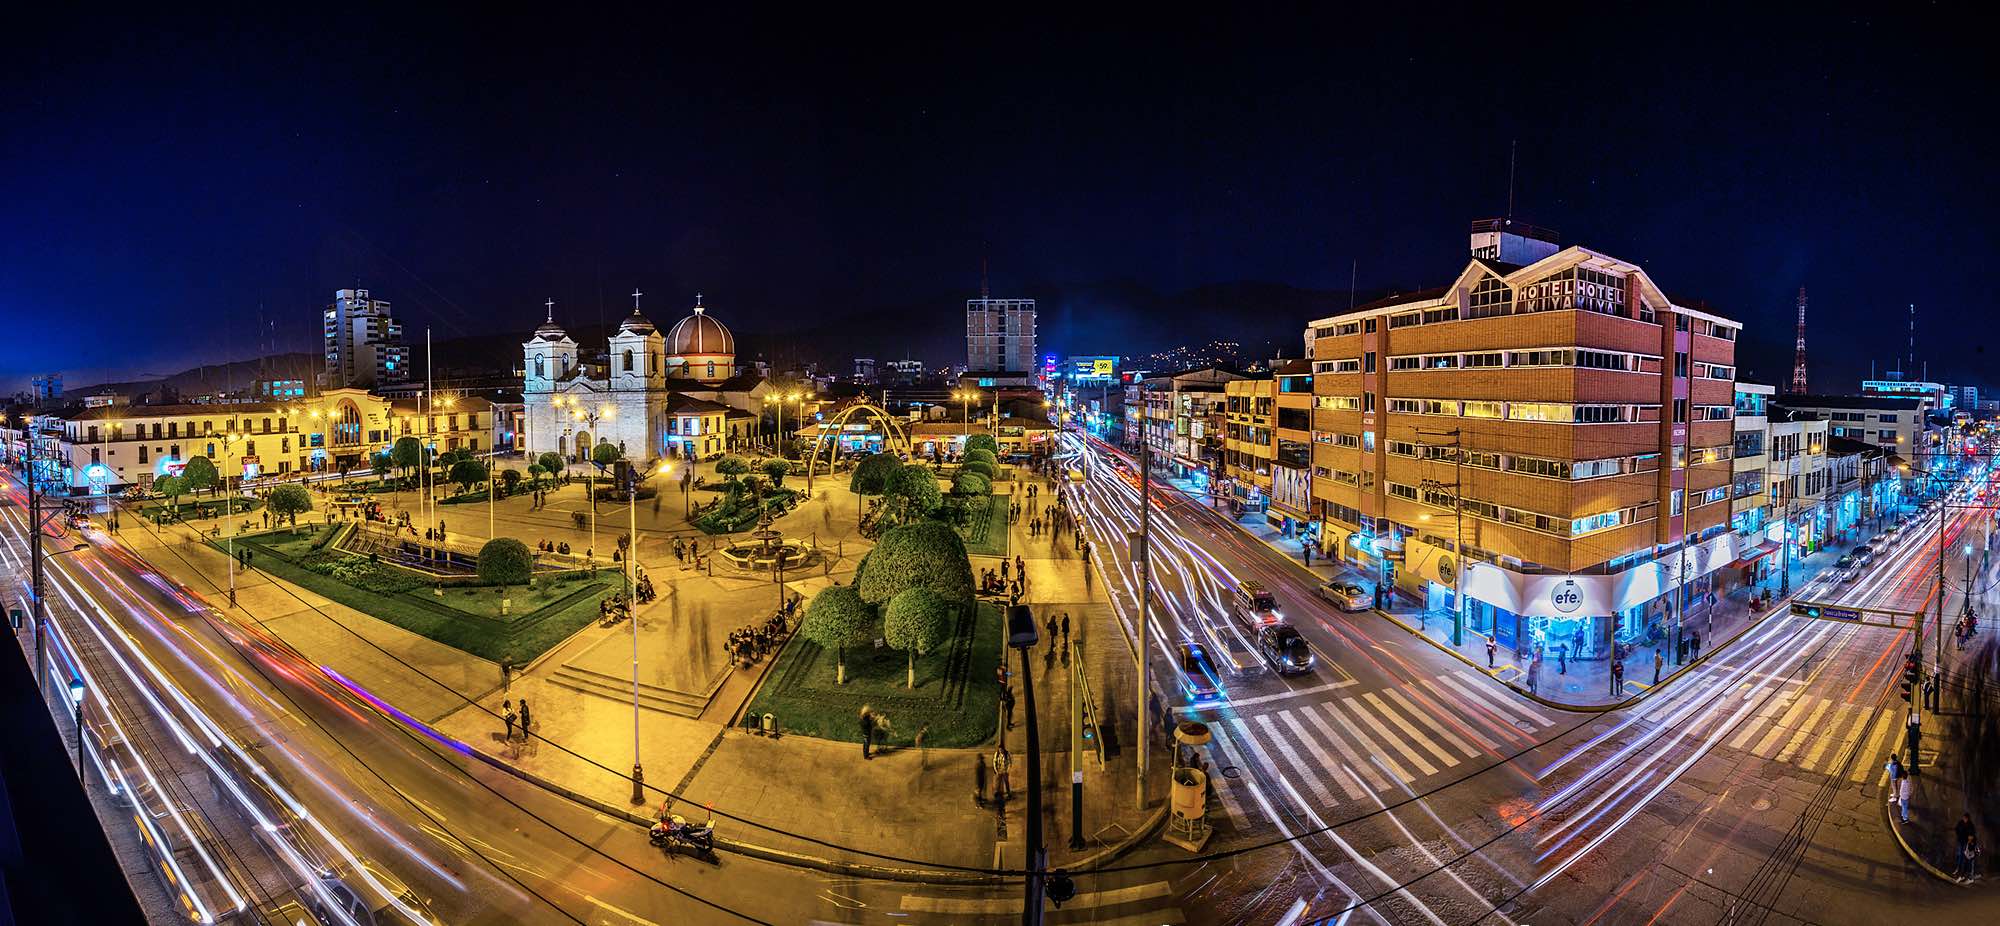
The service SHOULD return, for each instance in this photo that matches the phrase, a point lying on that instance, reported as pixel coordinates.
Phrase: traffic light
(1910, 671)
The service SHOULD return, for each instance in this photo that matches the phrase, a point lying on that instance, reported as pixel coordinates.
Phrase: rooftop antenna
(1353, 274)
(1913, 340)
(984, 294)
(1799, 352)
(1513, 148)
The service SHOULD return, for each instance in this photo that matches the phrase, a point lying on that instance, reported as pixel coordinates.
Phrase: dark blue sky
(164, 179)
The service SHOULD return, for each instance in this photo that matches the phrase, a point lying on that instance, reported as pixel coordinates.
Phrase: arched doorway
(583, 445)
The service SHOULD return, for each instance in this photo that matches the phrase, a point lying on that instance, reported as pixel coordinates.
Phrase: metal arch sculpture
(893, 436)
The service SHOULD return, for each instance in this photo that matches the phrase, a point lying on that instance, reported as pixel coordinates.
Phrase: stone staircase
(651, 697)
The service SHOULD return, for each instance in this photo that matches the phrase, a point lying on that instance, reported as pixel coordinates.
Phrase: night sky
(170, 183)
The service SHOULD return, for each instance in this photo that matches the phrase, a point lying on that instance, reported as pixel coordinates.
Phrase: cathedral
(676, 396)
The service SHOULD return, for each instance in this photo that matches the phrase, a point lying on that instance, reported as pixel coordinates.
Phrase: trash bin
(770, 724)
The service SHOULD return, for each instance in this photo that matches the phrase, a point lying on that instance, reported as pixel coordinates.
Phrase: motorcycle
(673, 832)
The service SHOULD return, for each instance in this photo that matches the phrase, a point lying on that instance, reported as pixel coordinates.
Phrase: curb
(1889, 818)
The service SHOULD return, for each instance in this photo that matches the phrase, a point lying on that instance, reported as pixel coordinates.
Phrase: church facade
(655, 396)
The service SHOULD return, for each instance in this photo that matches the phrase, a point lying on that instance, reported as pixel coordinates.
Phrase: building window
(267, 425)
(1349, 328)
(1483, 359)
(142, 453)
(1491, 297)
(1474, 409)
(628, 361)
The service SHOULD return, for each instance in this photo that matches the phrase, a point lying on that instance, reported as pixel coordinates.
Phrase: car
(1198, 675)
(1286, 651)
(1254, 605)
(1863, 554)
(1845, 569)
(1347, 594)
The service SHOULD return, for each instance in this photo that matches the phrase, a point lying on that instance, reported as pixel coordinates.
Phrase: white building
(364, 343)
(1894, 423)
(644, 399)
(1000, 335)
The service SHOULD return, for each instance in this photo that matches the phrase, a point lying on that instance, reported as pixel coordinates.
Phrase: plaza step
(652, 697)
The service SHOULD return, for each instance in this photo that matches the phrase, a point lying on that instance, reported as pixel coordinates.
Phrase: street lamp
(76, 699)
(632, 612)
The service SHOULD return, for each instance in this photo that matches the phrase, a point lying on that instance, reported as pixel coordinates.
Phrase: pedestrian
(1562, 659)
(1658, 661)
(1903, 797)
(1051, 626)
(506, 675)
(867, 732)
(527, 729)
(508, 705)
(1007, 706)
(1694, 644)
(1491, 648)
(1306, 550)
(1065, 629)
(979, 781)
(1617, 676)
(923, 754)
(1004, 566)
(1968, 850)
(1894, 768)
(1002, 788)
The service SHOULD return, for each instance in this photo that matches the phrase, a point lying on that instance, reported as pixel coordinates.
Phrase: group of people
(1012, 582)
(524, 718)
(550, 546)
(748, 646)
(688, 553)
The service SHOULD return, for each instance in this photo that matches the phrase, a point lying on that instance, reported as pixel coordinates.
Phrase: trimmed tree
(535, 473)
(972, 484)
(732, 468)
(984, 469)
(407, 453)
(552, 463)
(288, 502)
(198, 474)
(983, 442)
(510, 479)
(381, 464)
(776, 470)
(981, 455)
(917, 621)
(170, 488)
(505, 561)
(468, 473)
(605, 454)
(927, 554)
(836, 619)
(913, 492)
(872, 474)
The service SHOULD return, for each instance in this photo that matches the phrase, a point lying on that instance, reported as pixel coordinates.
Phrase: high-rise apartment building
(999, 335)
(364, 343)
(1549, 436)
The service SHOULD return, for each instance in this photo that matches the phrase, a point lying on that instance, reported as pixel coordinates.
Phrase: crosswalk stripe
(1385, 710)
(1489, 724)
(1440, 724)
(1225, 789)
(1354, 791)
(1881, 741)
(1283, 744)
(1363, 743)
(1509, 699)
(1669, 705)
(1416, 758)
(1782, 725)
(1329, 764)
(1805, 730)
(1773, 703)
(1500, 698)
(1848, 727)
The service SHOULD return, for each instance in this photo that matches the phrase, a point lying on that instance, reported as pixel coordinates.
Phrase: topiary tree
(288, 502)
(988, 470)
(776, 470)
(923, 553)
(198, 474)
(913, 493)
(605, 454)
(381, 463)
(917, 621)
(983, 442)
(836, 619)
(552, 463)
(872, 474)
(468, 473)
(981, 455)
(731, 467)
(535, 473)
(510, 479)
(170, 488)
(505, 561)
(971, 484)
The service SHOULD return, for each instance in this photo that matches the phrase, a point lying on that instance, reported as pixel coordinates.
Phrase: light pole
(1457, 436)
(76, 692)
(1022, 635)
(590, 418)
(632, 608)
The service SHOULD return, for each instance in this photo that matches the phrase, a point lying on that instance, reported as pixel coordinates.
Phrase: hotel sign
(1553, 295)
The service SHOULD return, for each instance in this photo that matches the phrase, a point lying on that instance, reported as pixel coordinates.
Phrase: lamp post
(76, 692)
(1022, 635)
(632, 606)
(590, 418)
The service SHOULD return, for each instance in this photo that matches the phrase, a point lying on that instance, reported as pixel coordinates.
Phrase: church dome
(635, 324)
(550, 331)
(700, 334)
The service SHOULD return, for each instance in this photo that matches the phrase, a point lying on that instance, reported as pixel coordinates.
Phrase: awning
(1755, 553)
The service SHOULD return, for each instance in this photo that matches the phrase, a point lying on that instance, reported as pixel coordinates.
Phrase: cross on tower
(697, 303)
(552, 310)
(635, 299)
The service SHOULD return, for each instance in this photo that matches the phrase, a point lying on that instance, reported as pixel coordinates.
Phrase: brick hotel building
(1588, 415)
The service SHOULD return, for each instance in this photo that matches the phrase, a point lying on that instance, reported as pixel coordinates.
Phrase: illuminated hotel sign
(1567, 292)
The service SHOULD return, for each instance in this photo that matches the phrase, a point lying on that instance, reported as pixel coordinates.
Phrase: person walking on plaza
(1051, 627)
(1968, 851)
(1002, 787)
(1903, 798)
(1895, 769)
(1694, 644)
(508, 706)
(1491, 648)
(867, 732)
(1562, 659)
(1658, 661)
(1007, 706)
(526, 720)
(1617, 676)
(979, 781)
(1065, 629)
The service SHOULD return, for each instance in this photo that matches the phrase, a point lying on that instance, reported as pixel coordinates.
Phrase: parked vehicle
(1285, 650)
(673, 832)
(1846, 569)
(1863, 554)
(1198, 675)
(1347, 594)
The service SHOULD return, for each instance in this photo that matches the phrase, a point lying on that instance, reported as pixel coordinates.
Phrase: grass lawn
(464, 617)
(956, 694)
(986, 535)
